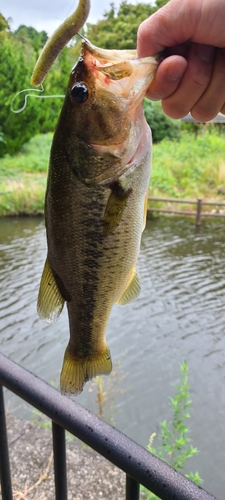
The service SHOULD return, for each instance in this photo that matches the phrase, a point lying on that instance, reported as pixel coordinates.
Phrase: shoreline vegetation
(189, 167)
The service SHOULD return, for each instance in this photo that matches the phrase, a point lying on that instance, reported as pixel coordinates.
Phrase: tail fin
(75, 372)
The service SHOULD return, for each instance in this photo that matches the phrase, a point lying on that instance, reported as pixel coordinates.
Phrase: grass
(23, 178)
(189, 167)
(33, 157)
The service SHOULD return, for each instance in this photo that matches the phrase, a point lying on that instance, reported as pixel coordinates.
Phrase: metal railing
(198, 213)
(140, 466)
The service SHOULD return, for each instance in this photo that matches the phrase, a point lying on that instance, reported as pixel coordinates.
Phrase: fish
(96, 204)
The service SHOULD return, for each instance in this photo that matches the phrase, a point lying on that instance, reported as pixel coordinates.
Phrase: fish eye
(79, 92)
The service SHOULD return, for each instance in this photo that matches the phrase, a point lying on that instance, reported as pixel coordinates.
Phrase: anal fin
(132, 290)
(50, 301)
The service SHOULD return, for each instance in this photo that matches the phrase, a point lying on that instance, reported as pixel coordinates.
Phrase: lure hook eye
(79, 92)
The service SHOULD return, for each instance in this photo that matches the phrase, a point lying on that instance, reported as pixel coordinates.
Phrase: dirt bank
(90, 476)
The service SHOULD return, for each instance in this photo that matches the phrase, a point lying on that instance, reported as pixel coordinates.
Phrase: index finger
(167, 78)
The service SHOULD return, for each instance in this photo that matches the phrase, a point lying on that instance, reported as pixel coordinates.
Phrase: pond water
(180, 315)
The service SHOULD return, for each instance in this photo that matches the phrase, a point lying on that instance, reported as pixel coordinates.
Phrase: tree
(14, 76)
(119, 31)
(161, 125)
(19, 51)
(160, 3)
(37, 38)
(4, 24)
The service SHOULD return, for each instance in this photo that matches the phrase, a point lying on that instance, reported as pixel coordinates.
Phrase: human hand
(192, 77)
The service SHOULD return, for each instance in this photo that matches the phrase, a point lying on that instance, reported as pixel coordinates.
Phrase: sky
(47, 16)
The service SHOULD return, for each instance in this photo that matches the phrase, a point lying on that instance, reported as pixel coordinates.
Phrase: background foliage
(19, 52)
(161, 125)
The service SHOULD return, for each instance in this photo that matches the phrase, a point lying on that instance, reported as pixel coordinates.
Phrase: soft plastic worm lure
(58, 41)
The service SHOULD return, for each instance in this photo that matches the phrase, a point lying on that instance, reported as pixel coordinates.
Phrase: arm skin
(192, 77)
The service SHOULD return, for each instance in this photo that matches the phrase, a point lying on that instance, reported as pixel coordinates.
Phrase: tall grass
(23, 194)
(189, 167)
(23, 178)
(33, 158)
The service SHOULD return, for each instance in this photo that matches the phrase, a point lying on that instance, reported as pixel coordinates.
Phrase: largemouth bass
(96, 203)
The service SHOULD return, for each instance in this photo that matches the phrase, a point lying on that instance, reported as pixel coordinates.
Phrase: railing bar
(184, 212)
(112, 444)
(188, 202)
(209, 214)
(178, 212)
(5, 475)
(132, 488)
(212, 203)
(174, 200)
(59, 451)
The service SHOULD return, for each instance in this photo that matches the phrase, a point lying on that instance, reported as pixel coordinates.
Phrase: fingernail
(205, 52)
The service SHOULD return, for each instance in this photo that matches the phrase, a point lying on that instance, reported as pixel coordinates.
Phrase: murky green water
(180, 315)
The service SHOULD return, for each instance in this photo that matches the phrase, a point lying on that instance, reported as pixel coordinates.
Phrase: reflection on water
(178, 316)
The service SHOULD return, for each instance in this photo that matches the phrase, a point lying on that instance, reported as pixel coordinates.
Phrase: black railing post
(132, 488)
(5, 476)
(59, 450)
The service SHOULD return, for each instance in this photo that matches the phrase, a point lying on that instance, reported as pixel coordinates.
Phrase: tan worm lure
(58, 41)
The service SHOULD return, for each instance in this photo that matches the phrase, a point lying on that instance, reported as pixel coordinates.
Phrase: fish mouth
(120, 70)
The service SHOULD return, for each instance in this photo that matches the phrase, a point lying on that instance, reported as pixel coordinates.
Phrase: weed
(105, 392)
(176, 446)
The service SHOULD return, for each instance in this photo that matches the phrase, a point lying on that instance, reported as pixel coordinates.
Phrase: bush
(161, 125)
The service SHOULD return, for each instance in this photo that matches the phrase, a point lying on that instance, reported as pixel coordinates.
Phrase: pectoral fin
(132, 291)
(115, 207)
(50, 301)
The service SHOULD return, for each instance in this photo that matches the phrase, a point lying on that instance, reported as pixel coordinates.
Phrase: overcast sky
(45, 15)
